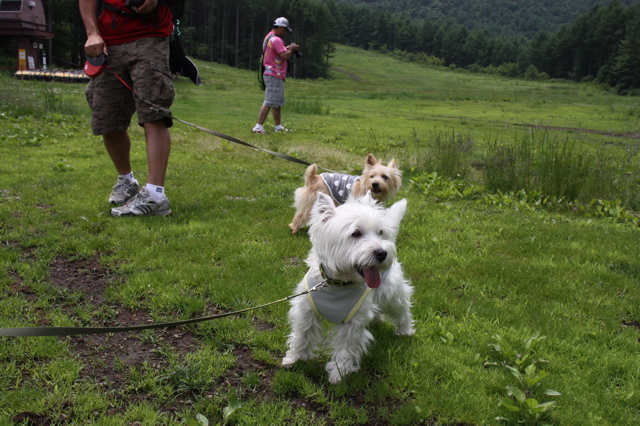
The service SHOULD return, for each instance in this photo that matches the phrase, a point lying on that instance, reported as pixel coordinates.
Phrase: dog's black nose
(380, 255)
(375, 185)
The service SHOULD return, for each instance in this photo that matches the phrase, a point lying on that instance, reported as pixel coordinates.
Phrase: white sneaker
(260, 131)
(282, 129)
(123, 191)
(143, 205)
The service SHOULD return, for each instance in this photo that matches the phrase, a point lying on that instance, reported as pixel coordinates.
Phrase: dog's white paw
(334, 373)
(288, 361)
(405, 331)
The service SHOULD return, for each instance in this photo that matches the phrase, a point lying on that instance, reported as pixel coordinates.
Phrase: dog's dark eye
(356, 234)
(381, 232)
(385, 177)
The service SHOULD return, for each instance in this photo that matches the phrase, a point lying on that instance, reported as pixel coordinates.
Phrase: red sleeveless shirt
(116, 28)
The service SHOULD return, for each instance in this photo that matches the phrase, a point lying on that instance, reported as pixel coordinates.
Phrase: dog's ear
(392, 164)
(324, 208)
(371, 160)
(396, 212)
(368, 199)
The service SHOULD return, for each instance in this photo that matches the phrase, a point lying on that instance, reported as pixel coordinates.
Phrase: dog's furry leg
(394, 302)
(304, 198)
(349, 342)
(306, 332)
(303, 212)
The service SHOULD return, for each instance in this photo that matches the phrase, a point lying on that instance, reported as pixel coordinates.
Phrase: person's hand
(293, 47)
(95, 46)
(147, 7)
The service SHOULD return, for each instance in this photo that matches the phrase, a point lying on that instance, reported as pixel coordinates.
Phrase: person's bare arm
(287, 53)
(94, 45)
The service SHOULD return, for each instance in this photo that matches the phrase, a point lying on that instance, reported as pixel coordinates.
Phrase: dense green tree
(626, 65)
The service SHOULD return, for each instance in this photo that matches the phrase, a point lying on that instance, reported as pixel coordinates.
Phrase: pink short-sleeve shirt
(274, 65)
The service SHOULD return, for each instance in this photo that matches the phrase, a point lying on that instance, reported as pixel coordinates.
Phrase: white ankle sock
(128, 177)
(155, 192)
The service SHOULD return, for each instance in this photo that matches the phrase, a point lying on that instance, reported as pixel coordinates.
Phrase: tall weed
(41, 98)
(445, 152)
(537, 162)
(307, 106)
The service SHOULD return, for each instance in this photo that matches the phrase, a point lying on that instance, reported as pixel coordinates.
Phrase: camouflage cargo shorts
(144, 65)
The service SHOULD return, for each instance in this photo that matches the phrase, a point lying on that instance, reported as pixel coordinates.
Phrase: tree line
(601, 45)
(497, 17)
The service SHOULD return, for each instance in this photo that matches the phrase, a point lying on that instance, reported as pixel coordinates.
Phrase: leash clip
(318, 286)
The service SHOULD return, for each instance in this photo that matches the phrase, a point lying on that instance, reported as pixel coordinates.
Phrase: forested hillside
(497, 17)
(602, 43)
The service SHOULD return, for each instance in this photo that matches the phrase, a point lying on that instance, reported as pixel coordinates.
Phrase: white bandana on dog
(336, 304)
(339, 185)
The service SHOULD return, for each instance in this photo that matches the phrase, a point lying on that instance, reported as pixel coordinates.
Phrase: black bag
(180, 64)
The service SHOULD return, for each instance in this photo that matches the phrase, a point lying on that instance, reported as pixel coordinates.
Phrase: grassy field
(518, 297)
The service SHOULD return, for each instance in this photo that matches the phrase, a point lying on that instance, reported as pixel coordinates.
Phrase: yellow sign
(22, 59)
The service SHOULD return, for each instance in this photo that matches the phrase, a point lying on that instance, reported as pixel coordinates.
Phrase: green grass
(484, 264)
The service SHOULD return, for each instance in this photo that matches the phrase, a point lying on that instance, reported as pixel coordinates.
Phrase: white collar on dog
(336, 303)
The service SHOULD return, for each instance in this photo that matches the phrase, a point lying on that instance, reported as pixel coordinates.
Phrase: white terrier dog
(354, 252)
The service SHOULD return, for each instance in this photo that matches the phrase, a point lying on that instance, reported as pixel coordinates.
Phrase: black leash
(168, 114)
(71, 331)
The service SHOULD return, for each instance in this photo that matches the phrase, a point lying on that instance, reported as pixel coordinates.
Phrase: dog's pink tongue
(372, 277)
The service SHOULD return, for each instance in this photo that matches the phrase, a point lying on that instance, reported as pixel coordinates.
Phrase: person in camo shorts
(136, 43)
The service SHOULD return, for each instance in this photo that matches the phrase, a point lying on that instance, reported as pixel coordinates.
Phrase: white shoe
(123, 191)
(143, 205)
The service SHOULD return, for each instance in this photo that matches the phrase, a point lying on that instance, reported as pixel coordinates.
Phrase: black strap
(265, 43)
(71, 331)
(165, 112)
(132, 14)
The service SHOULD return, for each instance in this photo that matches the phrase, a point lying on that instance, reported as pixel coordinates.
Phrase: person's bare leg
(118, 145)
(262, 116)
(158, 141)
(277, 114)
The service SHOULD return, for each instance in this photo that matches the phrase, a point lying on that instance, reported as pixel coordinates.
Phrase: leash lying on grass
(168, 114)
(71, 331)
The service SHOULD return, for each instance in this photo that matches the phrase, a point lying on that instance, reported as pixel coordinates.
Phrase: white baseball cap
(282, 22)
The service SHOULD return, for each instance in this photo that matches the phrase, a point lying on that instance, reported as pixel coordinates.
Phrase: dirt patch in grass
(108, 359)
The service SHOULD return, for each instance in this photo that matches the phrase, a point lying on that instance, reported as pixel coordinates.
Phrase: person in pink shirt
(276, 55)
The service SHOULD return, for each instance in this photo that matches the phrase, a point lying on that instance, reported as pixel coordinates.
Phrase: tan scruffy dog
(383, 182)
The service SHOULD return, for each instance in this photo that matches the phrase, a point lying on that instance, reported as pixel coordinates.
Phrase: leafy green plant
(525, 410)
(521, 401)
(432, 184)
(63, 166)
(504, 354)
(234, 405)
